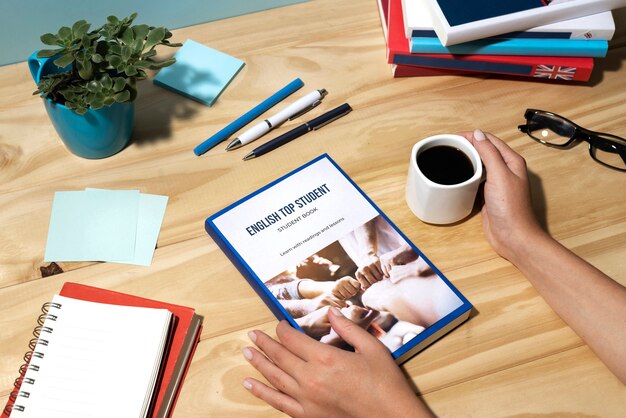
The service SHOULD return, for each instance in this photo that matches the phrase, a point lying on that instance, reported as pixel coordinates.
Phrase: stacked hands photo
(375, 278)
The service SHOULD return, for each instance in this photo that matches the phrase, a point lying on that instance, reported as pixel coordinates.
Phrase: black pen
(309, 126)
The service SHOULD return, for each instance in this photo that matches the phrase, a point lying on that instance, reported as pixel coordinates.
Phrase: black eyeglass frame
(610, 143)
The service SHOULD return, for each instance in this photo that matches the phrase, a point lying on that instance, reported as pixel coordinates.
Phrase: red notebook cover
(183, 315)
(557, 68)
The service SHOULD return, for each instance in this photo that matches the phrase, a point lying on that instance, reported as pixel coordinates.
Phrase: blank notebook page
(94, 360)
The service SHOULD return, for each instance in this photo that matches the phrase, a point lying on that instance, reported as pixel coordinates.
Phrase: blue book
(282, 236)
(535, 47)
(199, 73)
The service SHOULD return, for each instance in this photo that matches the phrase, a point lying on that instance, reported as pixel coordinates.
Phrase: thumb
(351, 333)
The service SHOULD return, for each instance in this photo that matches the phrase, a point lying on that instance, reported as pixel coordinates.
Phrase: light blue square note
(199, 73)
(149, 218)
(92, 227)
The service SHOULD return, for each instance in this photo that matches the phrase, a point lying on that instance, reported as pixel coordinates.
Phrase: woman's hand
(311, 379)
(508, 218)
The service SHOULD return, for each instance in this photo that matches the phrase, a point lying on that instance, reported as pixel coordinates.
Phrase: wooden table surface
(515, 357)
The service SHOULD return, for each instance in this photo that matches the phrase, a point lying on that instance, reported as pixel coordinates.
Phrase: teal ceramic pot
(96, 134)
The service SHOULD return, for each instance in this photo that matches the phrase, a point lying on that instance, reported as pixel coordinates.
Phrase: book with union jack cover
(457, 21)
(541, 67)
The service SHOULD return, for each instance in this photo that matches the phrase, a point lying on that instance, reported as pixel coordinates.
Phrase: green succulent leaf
(130, 70)
(119, 84)
(64, 61)
(155, 36)
(65, 33)
(173, 45)
(149, 54)
(85, 41)
(128, 36)
(49, 39)
(123, 96)
(47, 53)
(106, 81)
(141, 31)
(80, 28)
(161, 64)
(85, 69)
(115, 60)
(92, 86)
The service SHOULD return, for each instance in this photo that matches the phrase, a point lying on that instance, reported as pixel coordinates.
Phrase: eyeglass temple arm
(523, 128)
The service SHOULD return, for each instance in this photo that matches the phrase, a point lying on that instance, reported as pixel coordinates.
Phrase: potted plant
(89, 82)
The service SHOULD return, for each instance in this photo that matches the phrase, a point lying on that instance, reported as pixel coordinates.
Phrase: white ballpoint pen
(297, 108)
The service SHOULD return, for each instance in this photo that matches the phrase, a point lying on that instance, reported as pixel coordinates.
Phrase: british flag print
(555, 72)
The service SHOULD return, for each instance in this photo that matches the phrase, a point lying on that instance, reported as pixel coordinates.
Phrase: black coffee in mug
(446, 165)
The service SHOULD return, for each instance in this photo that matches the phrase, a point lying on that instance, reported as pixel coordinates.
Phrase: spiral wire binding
(37, 331)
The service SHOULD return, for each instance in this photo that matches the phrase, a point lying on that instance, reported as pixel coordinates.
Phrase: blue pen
(249, 116)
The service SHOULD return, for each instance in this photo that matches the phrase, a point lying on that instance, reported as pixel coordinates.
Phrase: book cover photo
(312, 239)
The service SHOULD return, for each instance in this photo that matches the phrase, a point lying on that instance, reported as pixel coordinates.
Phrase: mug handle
(34, 64)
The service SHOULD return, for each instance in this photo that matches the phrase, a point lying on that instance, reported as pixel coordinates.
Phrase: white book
(600, 26)
(458, 21)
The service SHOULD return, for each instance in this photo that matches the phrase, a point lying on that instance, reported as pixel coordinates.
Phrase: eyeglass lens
(609, 151)
(550, 129)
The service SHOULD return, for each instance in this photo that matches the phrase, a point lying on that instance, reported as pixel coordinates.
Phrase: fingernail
(246, 384)
(252, 336)
(479, 135)
(335, 311)
(247, 353)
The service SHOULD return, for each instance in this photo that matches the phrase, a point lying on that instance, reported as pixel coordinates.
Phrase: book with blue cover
(312, 239)
(521, 46)
(458, 21)
(199, 73)
(601, 26)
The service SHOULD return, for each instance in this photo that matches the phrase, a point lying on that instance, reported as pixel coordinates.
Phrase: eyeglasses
(556, 131)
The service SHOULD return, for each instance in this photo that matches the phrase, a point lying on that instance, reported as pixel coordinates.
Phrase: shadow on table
(157, 107)
(538, 200)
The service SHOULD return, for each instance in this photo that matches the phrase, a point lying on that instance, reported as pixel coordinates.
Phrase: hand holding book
(320, 380)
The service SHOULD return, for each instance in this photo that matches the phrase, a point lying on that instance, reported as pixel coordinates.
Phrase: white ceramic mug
(438, 203)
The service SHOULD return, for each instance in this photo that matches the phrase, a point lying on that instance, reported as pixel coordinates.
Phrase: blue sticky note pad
(149, 218)
(199, 73)
(92, 227)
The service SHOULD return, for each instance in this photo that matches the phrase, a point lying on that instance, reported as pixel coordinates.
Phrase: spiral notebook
(125, 357)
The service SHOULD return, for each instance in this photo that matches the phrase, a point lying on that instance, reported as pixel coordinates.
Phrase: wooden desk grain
(514, 358)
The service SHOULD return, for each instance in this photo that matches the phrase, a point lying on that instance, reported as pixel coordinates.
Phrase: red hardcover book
(184, 337)
(408, 70)
(184, 318)
(556, 68)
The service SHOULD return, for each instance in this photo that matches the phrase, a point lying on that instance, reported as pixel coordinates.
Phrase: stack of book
(100, 353)
(526, 38)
